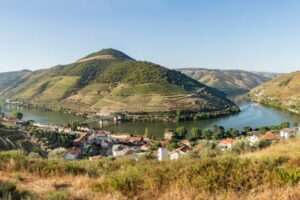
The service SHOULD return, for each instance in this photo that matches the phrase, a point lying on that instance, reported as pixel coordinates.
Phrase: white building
(227, 143)
(162, 154)
(287, 133)
(119, 150)
(180, 152)
(253, 139)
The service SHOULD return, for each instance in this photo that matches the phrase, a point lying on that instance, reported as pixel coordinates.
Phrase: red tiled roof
(183, 149)
(164, 143)
(228, 141)
(271, 136)
(81, 138)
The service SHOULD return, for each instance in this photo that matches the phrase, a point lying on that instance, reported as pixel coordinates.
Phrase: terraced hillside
(229, 81)
(13, 139)
(33, 140)
(282, 92)
(9, 80)
(110, 81)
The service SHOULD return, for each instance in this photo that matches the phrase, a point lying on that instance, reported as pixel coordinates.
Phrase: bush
(9, 190)
(264, 143)
(288, 175)
(58, 153)
(180, 132)
(241, 146)
(58, 195)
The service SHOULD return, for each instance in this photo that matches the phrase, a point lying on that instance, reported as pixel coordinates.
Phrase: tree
(218, 132)
(73, 125)
(284, 125)
(263, 129)
(180, 132)
(246, 130)
(207, 134)
(241, 146)
(58, 153)
(263, 143)
(233, 133)
(17, 115)
(173, 146)
(196, 134)
(295, 124)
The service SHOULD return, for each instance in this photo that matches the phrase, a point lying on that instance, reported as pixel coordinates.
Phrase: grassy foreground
(251, 176)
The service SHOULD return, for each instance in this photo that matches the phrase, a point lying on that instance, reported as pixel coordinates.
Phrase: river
(252, 114)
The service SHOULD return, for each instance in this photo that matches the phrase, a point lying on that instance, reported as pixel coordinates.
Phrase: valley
(231, 82)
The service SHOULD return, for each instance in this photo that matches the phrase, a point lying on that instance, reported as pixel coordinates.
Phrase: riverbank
(252, 114)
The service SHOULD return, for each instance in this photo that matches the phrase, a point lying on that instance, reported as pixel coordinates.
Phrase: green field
(147, 88)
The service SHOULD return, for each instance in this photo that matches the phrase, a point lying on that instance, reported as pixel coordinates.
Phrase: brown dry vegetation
(272, 173)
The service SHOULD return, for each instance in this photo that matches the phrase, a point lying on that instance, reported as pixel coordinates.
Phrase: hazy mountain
(228, 81)
(110, 81)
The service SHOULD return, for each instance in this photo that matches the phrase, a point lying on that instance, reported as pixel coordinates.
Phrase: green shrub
(58, 195)
(288, 175)
(9, 191)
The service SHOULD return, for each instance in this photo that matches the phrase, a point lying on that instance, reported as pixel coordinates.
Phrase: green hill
(10, 79)
(110, 81)
(282, 92)
(228, 81)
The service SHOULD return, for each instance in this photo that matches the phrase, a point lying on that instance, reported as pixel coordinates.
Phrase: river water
(252, 114)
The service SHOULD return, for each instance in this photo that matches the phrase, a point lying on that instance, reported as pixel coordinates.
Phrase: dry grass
(288, 148)
(79, 187)
(221, 178)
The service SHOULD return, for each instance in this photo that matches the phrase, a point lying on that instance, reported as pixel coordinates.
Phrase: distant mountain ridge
(282, 92)
(228, 81)
(114, 82)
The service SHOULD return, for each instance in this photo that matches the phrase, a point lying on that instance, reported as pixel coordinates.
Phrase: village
(92, 144)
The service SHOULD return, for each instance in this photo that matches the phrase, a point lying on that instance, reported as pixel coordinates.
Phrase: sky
(254, 35)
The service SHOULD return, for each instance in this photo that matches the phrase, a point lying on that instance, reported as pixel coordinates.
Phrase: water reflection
(252, 114)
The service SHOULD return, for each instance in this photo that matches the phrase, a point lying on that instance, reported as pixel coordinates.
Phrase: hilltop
(228, 81)
(282, 92)
(110, 81)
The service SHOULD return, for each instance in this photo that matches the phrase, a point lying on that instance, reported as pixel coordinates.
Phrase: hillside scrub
(151, 179)
(9, 191)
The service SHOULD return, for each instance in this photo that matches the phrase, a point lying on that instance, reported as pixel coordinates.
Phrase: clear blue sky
(261, 35)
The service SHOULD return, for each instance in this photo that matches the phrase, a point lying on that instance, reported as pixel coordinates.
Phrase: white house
(119, 150)
(180, 152)
(162, 154)
(253, 139)
(227, 143)
(297, 130)
(287, 133)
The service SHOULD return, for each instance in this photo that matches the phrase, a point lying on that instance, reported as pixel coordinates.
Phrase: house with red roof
(271, 136)
(179, 152)
(227, 143)
(74, 153)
